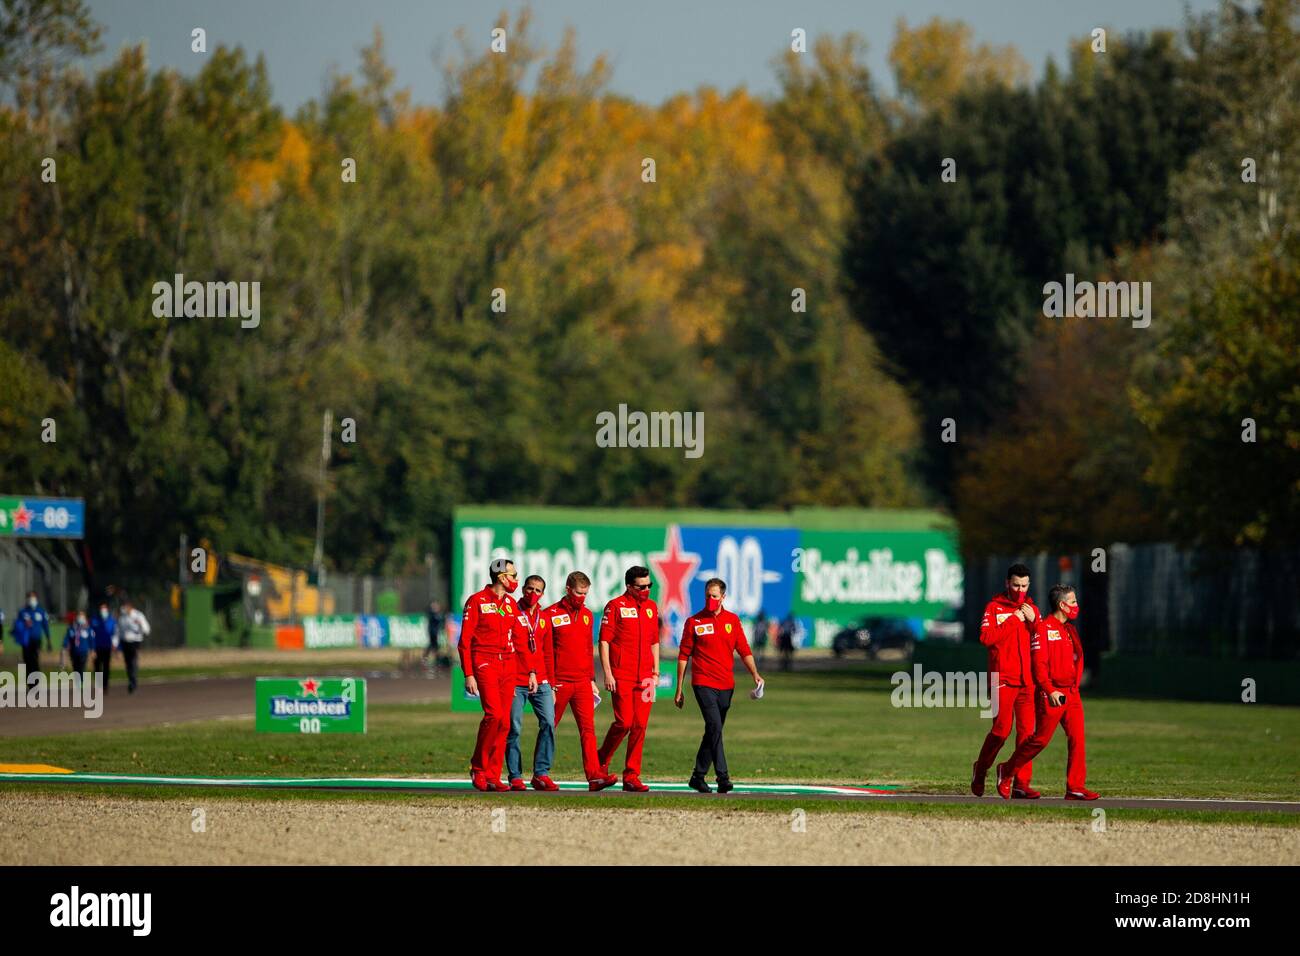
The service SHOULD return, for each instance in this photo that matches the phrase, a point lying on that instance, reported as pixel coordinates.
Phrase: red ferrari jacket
(631, 629)
(1058, 655)
(708, 642)
(489, 626)
(568, 642)
(1007, 638)
(531, 656)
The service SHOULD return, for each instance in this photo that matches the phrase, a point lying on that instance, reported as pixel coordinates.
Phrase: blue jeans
(544, 707)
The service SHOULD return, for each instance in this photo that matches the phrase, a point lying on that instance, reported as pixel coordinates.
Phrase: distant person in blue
(29, 625)
(77, 643)
(104, 629)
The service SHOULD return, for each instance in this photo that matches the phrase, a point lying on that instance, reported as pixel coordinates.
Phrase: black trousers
(103, 664)
(32, 658)
(714, 705)
(78, 662)
(131, 656)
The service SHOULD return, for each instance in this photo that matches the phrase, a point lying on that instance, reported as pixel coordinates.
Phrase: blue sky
(657, 47)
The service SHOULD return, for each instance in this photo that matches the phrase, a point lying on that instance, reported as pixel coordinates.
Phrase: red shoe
(634, 785)
(600, 783)
(479, 781)
(498, 786)
(977, 779)
(1004, 783)
(517, 783)
(543, 782)
(1084, 794)
(1024, 793)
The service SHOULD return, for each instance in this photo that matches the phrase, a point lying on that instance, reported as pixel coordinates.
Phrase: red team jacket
(535, 659)
(490, 627)
(631, 629)
(568, 642)
(708, 642)
(1058, 655)
(1007, 638)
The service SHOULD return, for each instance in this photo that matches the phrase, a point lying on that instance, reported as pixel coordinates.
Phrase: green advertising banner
(826, 568)
(312, 705)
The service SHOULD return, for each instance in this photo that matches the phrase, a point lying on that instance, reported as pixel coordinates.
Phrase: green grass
(834, 727)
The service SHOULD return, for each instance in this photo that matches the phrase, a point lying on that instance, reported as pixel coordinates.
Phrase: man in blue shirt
(104, 629)
(29, 625)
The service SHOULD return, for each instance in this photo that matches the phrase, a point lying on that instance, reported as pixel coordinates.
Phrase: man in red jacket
(629, 655)
(568, 650)
(532, 685)
(1058, 668)
(1005, 630)
(709, 639)
(489, 631)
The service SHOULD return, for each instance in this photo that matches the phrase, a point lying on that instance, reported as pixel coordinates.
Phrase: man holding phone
(1058, 667)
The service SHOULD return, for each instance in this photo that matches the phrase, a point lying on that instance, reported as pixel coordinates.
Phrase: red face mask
(1071, 612)
(1018, 597)
(529, 599)
(510, 584)
(638, 596)
(712, 604)
(577, 600)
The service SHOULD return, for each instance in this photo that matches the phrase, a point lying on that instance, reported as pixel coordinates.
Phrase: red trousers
(632, 706)
(578, 693)
(495, 674)
(1071, 715)
(1017, 703)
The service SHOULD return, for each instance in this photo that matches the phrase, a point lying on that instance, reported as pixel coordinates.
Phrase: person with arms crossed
(1058, 670)
(710, 638)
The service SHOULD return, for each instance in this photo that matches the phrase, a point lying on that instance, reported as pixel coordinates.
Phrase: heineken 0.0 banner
(311, 705)
(365, 630)
(42, 517)
(821, 568)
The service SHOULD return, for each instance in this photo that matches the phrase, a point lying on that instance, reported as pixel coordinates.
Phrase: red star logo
(674, 568)
(310, 686)
(23, 517)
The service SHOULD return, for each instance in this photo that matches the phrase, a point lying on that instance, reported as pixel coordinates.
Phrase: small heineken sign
(311, 705)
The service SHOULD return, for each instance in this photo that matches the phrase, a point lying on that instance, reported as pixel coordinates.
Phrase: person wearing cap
(629, 656)
(710, 638)
(530, 661)
(1058, 670)
(489, 631)
(568, 650)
